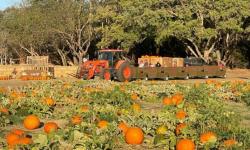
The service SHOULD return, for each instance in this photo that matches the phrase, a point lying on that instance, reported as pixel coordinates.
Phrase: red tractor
(110, 64)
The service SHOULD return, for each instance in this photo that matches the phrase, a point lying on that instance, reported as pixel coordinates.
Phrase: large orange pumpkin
(50, 127)
(31, 122)
(102, 124)
(123, 127)
(181, 114)
(11, 138)
(134, 135)
(167, 101)
(185, 144)
(76, 120)
(208, 137)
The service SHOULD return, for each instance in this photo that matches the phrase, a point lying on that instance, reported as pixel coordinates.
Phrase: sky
(7, 3)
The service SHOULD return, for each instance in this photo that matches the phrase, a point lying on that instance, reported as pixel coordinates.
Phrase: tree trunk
(63, 57)
(157, 51)
(80, 58)
(218, 54)
(22, 56)
(75, 60)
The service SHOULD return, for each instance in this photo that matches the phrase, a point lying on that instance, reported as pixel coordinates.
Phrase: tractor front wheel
(105, 74)
(124, 72)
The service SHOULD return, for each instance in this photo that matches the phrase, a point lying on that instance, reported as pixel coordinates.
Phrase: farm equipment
(111, 64)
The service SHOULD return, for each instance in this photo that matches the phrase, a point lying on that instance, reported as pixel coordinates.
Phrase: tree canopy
(66, 30)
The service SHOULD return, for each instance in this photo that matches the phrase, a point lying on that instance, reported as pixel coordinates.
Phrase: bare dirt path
(235, 74)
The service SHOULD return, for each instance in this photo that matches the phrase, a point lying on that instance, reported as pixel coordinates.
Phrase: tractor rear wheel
(105, 74)
(124, 72)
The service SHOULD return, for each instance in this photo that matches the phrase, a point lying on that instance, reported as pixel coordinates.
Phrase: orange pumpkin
(50, 127)
(179, 127)
(49, 101)
(31, 122)
(84, 109)
(134, 135)
(76, 120)
(102, 124)
(11, 138)
(218, 85)
(208, 137)
(167, 101)
(177, 99)
(185, 144)
(134, 96)
(181, 114)
(123, 127)
(210, 81)
(229, 142)
(18, 132)
(4, 110)
(24, 141)
(136, 107)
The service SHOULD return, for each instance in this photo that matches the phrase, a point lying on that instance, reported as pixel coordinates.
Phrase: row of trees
(66, 30)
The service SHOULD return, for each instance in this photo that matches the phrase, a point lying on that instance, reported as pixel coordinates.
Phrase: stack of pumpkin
(27, 77)
(5, 77)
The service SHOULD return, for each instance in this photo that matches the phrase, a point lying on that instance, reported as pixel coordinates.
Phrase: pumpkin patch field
(98, 114)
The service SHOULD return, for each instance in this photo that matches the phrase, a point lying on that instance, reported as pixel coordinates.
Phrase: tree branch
(211, 48)
(27, 50)
(192, 51)
(196, 48)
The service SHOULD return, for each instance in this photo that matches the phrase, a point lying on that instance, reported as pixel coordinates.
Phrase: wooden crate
(167, 62)
(144, 60)
(178, 62)
(154, 60)
(37, 60)
(164, 61)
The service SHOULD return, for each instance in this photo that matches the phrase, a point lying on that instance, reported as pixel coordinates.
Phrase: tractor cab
(111, 55)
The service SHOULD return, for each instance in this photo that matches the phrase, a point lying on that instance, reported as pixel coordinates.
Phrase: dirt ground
(235, 74)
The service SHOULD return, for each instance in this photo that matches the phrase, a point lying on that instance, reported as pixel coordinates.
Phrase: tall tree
(201, 24)
(125, 23)
(64, 26)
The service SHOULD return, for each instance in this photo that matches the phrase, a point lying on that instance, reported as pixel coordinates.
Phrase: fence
(37, 60)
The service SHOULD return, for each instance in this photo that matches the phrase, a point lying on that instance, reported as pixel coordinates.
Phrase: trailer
(167, 73)
(111, 64)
